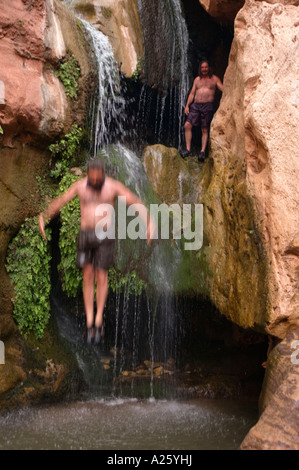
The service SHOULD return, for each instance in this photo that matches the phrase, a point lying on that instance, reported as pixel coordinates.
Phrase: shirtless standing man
(200, 107)
(94, 256)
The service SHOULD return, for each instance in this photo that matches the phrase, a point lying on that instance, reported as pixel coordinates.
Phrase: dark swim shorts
(200, 114)
(92, 250)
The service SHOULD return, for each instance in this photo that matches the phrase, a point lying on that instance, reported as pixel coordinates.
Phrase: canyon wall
(251, 203)
(35, 38)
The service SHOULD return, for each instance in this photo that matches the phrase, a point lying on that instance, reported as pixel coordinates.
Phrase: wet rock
(128, 373)
(141, 372)
(105, 360)
(169, 175)
(158, 371)
(170, 363)
(277, 427)
(213, 387)
(10, 376)
(168, 372)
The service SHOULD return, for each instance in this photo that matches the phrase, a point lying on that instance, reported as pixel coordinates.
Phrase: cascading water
(159, 320)
(165, 70)
(108, 113)
(138, 326)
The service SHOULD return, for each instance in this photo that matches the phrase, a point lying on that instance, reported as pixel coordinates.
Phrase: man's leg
(188, 135)
(102, 293)
(204, 138)
(88, 292)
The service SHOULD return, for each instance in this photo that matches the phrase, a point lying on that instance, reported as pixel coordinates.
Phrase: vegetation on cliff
(28, 264)
(69, 73)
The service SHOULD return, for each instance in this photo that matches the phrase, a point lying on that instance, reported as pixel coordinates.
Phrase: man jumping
(94, 255)
(200, 107)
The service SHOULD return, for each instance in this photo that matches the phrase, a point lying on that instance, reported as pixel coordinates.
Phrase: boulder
(251, 205)
(277, 428)
(223, 11)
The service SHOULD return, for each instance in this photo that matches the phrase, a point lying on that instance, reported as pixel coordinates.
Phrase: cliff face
(277, 428)
(35, 37)
(251, 206)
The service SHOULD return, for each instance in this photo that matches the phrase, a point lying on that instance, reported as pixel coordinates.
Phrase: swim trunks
(201, 113)
(92, 250)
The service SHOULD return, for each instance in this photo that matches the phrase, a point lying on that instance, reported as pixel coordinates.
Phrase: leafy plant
(1, 130)
(136, 73)
(69, 73)
(28, 264)
(119, 281)
(65, 151)
(71, 276)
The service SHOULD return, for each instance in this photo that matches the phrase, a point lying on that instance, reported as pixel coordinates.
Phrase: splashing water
(127, 424)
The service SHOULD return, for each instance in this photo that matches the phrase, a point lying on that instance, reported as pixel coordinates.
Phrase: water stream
(166, 72)
(108, 110)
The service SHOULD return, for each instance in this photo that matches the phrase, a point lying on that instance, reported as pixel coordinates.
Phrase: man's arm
(190, 97)
(131, 198)
(55, 206)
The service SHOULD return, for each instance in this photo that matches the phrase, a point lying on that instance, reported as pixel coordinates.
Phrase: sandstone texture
(225, 11)
(222, 10)
(119, 20)
(251, 203)
(277, 428)
(34, 40)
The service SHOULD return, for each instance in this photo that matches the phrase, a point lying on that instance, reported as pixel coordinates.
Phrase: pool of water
(129, 424)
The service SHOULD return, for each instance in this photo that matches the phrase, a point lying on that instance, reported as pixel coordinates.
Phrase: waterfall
(109, 105)
(166, 79)
(108, 113)
(145, 327)
(166, 72)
